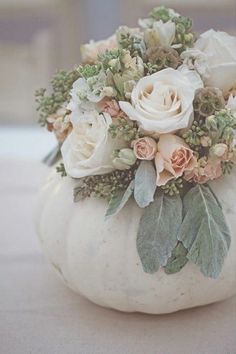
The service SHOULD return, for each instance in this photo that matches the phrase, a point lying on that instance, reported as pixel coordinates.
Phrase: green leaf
(118, 201)
(204, 231)
(145, 184)
(177, 260)
(157, 233)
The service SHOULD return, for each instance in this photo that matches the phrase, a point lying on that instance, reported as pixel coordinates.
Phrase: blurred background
(37, 37)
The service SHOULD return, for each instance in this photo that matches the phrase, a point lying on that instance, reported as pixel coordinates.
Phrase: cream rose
(88, 149)
(91, 50)
(220, 50)
(145, 148)
(162, 102)
(173, 158)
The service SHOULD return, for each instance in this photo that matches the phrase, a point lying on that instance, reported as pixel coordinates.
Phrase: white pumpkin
(99, 259)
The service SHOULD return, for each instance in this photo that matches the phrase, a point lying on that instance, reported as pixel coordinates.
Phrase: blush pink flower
(91, 50)
(204, 171)
(60, 124)
(145, 148)
(173, 159)
(110, 106)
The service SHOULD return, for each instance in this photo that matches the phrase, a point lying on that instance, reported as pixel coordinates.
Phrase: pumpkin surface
(99, 258)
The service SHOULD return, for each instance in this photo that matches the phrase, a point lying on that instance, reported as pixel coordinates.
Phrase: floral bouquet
(150, 115)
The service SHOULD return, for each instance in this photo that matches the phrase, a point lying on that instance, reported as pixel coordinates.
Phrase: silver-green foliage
(157, 233)
(118, 201)
(145, 184)
(204, 231)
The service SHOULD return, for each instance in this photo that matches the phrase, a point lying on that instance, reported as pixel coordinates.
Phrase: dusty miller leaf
(157, 233)
(204, 231)
(177, 260)
(118, 202)
(145, 184)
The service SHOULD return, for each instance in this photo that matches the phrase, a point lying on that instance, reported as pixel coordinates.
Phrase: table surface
(38, 314)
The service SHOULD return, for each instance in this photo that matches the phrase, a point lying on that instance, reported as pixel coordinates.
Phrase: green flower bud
(124, 159)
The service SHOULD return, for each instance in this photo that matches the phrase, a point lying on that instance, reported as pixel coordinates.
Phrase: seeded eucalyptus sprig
(48, 104)
(104, 186)
(124, 129)
(194, 134)
(173, 187)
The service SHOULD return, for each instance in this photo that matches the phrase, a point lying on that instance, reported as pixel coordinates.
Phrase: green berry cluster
(184, 37)
(61, 85)
(194, 134)
(173, 187)
(124, 129)
(104, 186)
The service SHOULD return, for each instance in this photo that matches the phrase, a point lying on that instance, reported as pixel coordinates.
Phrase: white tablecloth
(38, 314)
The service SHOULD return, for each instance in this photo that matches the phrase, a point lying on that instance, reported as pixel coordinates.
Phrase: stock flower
(173, 158)
(88, 149)
(162, 102)
(91, 50)
(160, 34)
(145, 148)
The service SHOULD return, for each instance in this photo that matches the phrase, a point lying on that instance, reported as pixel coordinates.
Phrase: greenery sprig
(48, 104)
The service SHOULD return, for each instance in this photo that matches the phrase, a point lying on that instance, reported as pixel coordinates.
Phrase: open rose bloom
(173, 159)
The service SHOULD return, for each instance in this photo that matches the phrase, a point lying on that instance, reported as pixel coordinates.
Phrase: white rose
(162, 102)
(88, 149)
(220, 49)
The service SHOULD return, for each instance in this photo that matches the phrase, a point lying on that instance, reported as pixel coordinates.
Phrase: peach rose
(204, 171)
(91, 50)
(110, 106)
(173, 158)
(60, 124)
(145, 148)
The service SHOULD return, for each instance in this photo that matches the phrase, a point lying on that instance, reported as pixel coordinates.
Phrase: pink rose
(173, 158)
(91, 50)
(110, 106)
(145, 148)
(204, 171)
